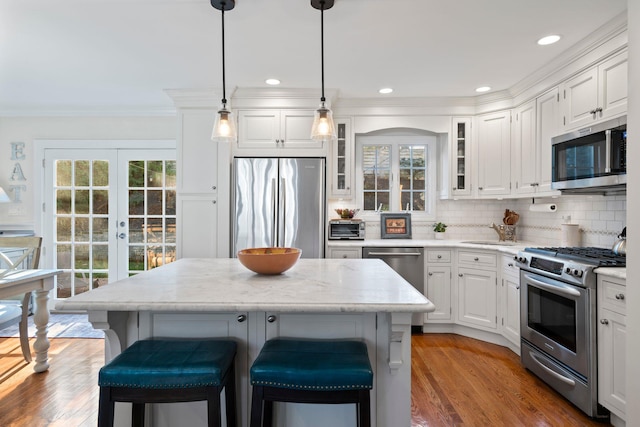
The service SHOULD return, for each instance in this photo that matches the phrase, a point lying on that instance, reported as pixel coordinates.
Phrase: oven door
(555, 318)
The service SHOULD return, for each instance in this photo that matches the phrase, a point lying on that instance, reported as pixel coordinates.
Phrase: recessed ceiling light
(272, 82)
(385, 90)
(483, 89)
(548, 40)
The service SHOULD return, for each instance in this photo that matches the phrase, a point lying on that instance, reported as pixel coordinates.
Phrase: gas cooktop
(599, 257)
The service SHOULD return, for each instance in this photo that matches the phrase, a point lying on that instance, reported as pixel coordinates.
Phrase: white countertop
(617, 272)
(222, 284)
(511, 248)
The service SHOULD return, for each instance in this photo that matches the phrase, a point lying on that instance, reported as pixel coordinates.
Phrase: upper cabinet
(271, 128)
(342, 161)
(493, 154)
(598, 93)
(535, 123)
(195, 145)
(460, 156)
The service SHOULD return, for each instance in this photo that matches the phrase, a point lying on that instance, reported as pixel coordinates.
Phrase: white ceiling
(111, 54)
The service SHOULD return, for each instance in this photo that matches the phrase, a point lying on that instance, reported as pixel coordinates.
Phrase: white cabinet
(612, 345)
(510, 301)
(493, 154)
(342, 161)
(276, 128)
(597, 93)
(438, 285)
(197, 156)
(535, 123)
(460, 155)
(344, 253)
(197, 225)
(477, 289)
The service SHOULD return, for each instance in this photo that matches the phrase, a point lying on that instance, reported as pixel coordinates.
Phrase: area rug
(60, 326)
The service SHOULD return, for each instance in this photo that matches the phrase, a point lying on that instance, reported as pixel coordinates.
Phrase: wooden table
(18, 282)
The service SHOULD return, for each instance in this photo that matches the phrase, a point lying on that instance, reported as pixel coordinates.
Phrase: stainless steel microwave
(346, 229)
(592, 159)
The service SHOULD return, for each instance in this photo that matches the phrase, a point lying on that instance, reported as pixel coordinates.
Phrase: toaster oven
(346, 229)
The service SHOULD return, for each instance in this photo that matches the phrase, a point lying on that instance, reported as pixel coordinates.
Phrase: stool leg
(230, 398)
(256, 406)
(105, 408)
(213, 406)
(364, 408)
(137, 415)
(267, 417)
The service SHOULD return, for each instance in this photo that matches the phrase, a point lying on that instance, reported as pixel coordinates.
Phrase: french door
(108, 214)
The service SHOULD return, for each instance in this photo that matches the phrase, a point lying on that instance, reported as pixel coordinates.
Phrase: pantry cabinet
(595, 94)
(272, 128)
(493, 154)
(612, 345)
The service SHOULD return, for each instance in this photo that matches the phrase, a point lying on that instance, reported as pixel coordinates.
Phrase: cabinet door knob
(242, 317)
(213, 187)
(510, 264)
(439, 256)
(518, 287)
(619, 296)
(604, 321)
(459, 274)
(271, 318)
(430, 274)
(476, 259)
(344, 256)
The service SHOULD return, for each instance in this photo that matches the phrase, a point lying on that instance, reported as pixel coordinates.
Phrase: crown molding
(90, 111)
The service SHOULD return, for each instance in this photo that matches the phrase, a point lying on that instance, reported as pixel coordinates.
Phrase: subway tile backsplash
(600, 219)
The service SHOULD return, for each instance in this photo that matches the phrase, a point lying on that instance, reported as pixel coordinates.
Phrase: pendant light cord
(224, 94)
(322, 45)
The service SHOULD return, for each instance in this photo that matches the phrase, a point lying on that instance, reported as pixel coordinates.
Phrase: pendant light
(224, 129)
(323, 128)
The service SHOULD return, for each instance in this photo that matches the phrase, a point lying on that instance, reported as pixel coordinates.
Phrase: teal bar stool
(310, 371)
(170, 370)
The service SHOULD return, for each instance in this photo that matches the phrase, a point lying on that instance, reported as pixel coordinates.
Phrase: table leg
(41, 320)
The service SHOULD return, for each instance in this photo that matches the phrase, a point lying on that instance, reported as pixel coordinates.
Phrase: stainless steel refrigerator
(279, 202)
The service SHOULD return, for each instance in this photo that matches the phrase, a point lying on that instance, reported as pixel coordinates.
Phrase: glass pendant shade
(224, 129)
(323, 128)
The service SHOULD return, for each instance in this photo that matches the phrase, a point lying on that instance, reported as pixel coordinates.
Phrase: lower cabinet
(344, 253)
(612, 346)
(510, 301)
(438, 285)
(477, 298)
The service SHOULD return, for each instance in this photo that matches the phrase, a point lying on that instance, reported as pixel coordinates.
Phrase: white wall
(633, 195)
(23, 131)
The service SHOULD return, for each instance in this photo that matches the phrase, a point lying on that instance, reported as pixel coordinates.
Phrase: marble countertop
(617, 272)
(223, 284)
(511, 248)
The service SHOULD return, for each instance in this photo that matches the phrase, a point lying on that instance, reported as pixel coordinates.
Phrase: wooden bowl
(269, 260)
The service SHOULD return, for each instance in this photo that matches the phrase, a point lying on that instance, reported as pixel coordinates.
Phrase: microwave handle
(607, 151)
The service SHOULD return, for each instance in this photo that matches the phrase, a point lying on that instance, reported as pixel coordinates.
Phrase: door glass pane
(413, 161)
(152, 214)
(376, 174)
(81, 217)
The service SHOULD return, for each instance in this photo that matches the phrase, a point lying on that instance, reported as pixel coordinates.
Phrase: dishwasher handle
(393, 254)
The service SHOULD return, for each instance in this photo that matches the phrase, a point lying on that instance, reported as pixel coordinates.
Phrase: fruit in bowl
(269, 260)
(347, 213)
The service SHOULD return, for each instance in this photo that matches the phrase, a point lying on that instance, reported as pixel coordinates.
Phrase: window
(396, 173)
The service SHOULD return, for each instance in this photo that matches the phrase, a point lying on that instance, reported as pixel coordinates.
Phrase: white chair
(28, 249)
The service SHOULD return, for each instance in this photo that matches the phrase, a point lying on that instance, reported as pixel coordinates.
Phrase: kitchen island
(317, 298)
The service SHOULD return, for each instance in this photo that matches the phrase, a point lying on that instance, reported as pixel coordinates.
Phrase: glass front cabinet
(342, 158)
(460, 155)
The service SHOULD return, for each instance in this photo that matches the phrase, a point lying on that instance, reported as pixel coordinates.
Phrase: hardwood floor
(456, 381)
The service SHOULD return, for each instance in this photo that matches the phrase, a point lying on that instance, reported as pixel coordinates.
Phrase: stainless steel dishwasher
(408, 262)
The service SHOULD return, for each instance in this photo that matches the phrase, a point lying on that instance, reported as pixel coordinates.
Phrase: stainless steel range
(558, 319)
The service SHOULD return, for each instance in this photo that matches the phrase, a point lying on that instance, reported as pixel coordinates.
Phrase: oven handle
(555, 289)
(556, 375)
(607, 151)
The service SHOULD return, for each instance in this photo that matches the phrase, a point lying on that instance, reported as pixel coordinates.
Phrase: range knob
(522, 259)
(567, 270)
(577, 272)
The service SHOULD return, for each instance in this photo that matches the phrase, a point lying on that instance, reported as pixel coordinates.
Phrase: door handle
(274, 212)
(394, 254)
(122, 236)
(562, 378)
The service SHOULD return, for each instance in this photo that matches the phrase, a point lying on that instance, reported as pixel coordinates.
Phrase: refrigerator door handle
(274, 211)
(283, 213)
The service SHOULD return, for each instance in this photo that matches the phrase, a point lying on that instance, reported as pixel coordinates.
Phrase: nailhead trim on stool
(170, 370)
(310, 371)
